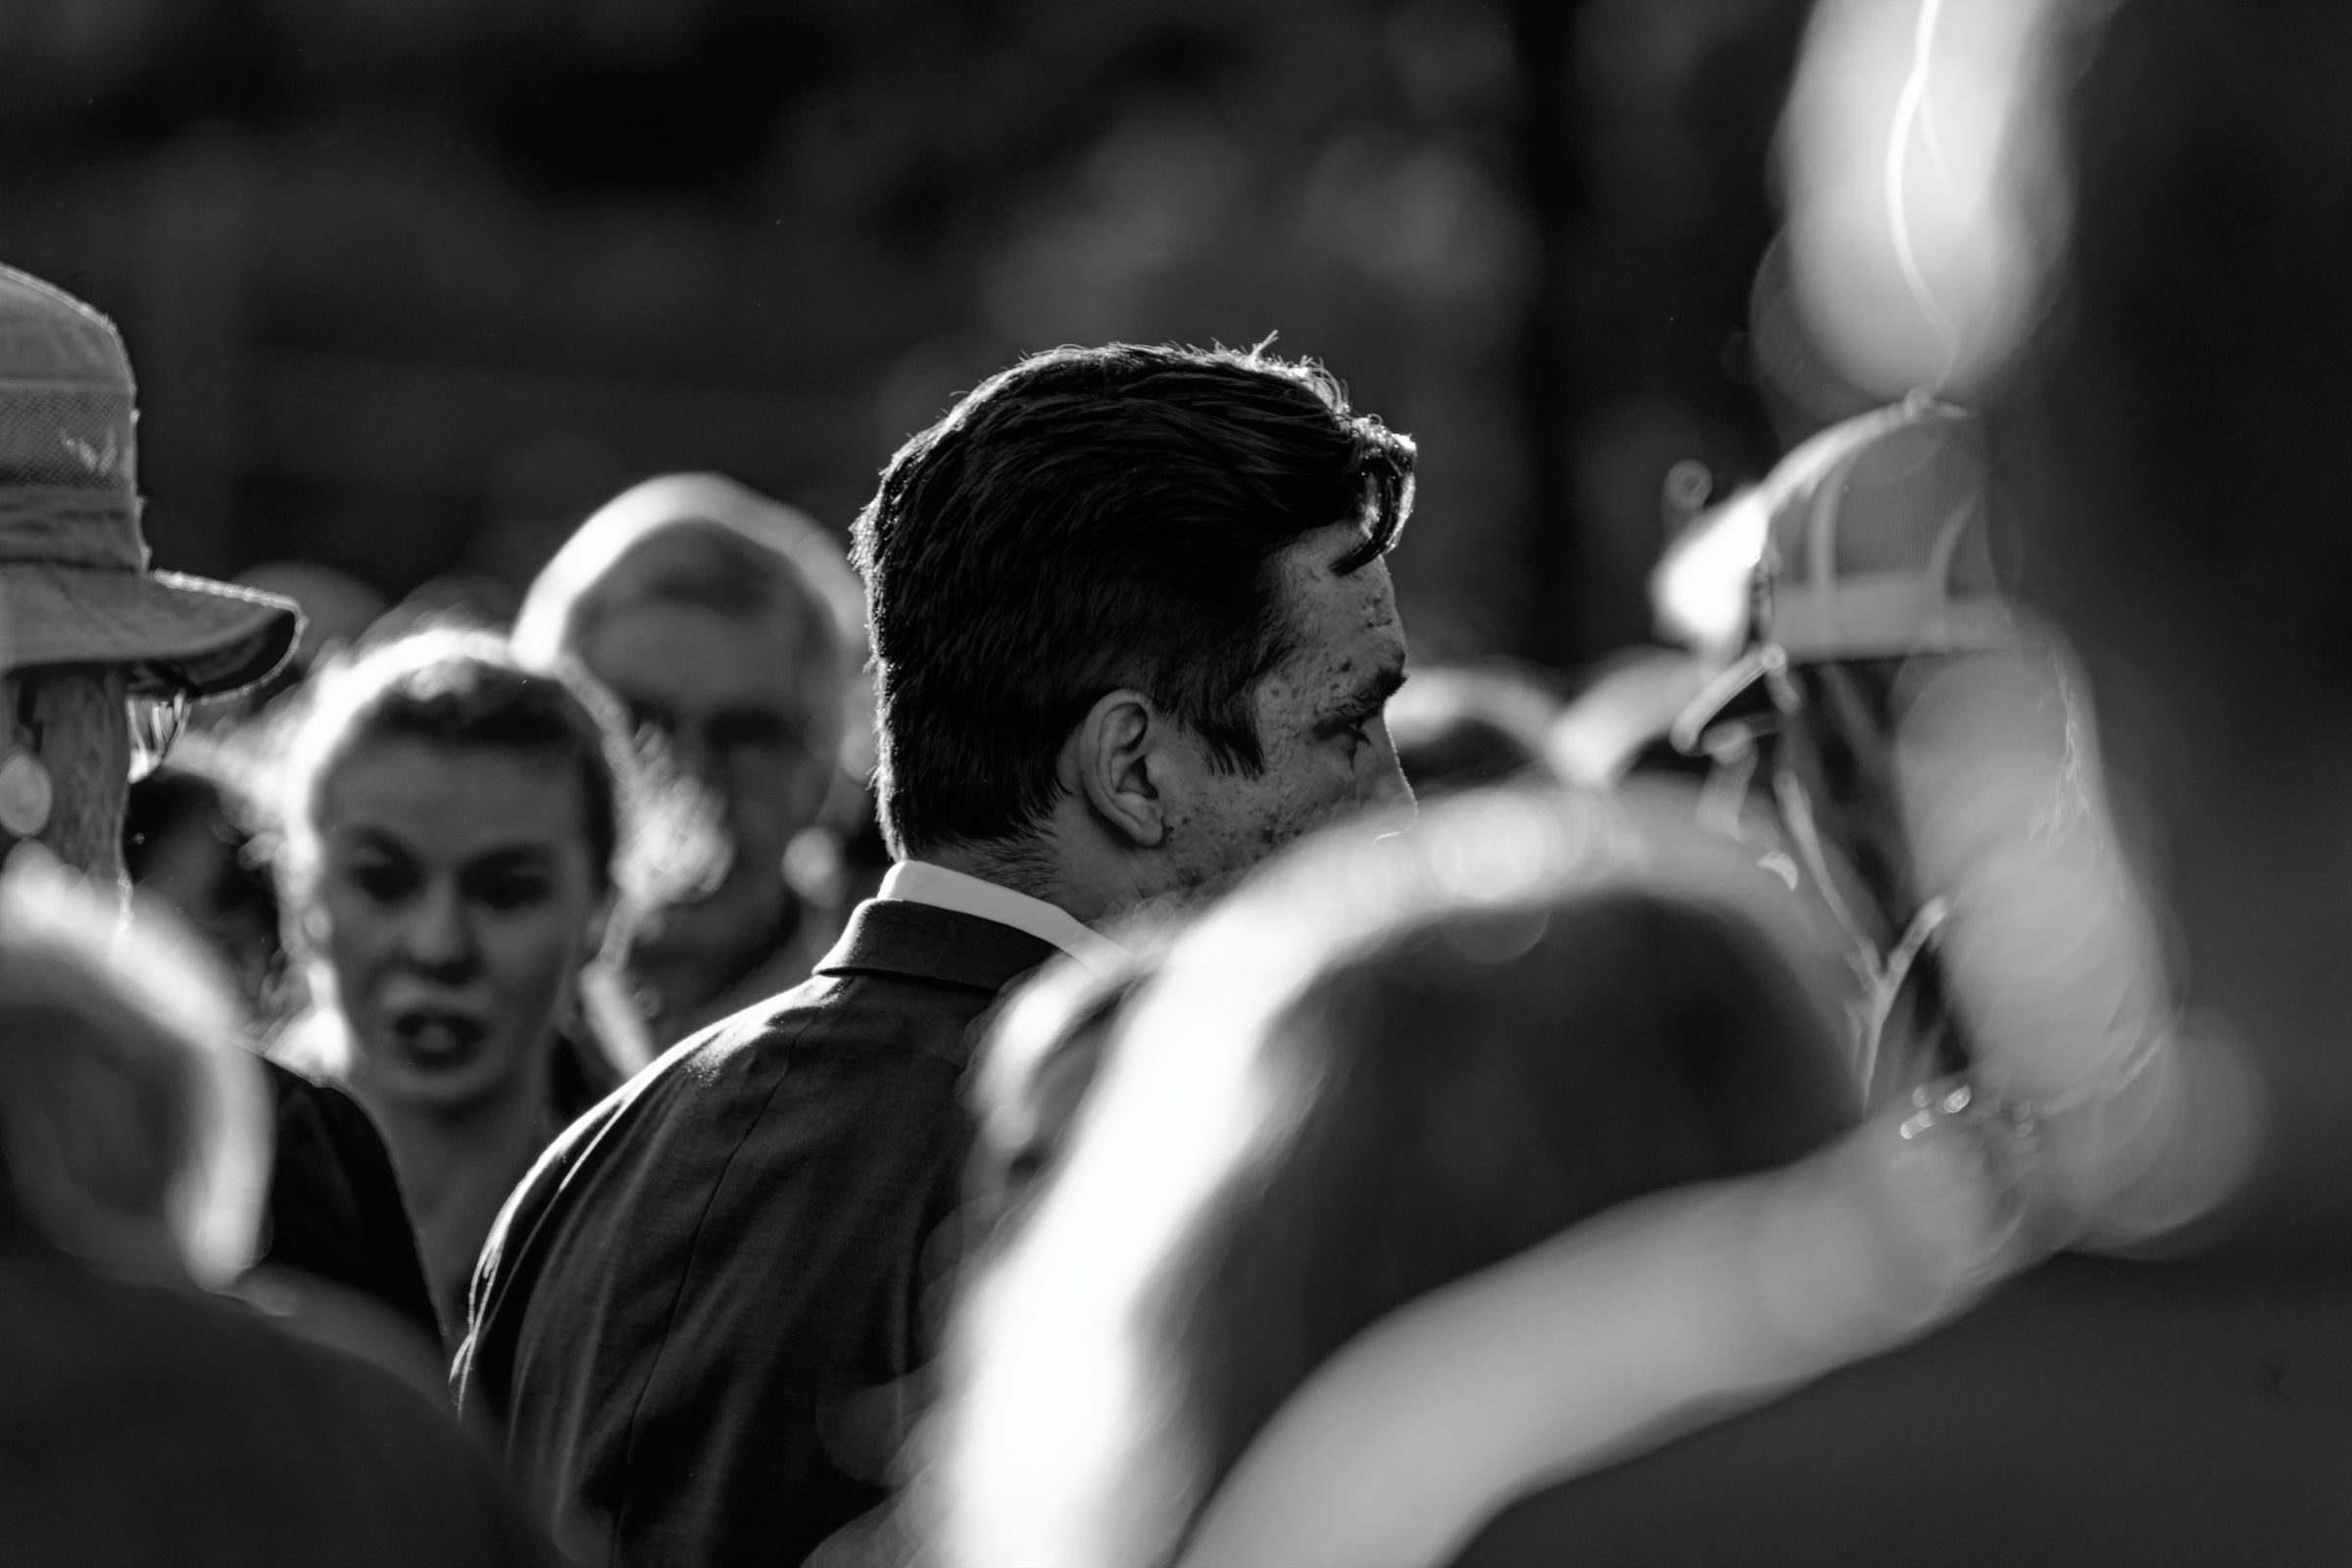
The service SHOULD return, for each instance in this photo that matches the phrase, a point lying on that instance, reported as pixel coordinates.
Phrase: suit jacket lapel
(898, 937)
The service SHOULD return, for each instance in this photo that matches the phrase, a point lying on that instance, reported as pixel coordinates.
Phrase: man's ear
(1112, 755)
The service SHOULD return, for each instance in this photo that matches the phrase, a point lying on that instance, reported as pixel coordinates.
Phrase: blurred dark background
(411, 286)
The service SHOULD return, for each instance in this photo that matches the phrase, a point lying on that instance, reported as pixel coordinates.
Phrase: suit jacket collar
(921, 940)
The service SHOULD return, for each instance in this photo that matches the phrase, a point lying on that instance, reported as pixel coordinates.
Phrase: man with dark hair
(1132, 632)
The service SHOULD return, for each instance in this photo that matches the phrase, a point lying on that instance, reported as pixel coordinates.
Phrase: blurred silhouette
(142, 1419)
(1377, 1070)
(1934, 763)
(1035, 1066)
(188, 840)
(456, 834)
(1874, 566)
(730, 629)
(101, 657)
(2163, 453)
(2116, 1122)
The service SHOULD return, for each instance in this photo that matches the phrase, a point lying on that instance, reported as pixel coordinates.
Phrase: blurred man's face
(1320, 721)
(750, 707)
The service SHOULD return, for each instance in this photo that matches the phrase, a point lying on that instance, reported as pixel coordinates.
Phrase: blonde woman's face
(456, 903)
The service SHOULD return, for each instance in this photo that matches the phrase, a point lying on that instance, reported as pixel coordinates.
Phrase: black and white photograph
(1175, 783)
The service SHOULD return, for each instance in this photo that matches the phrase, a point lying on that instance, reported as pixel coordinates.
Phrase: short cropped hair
(460, 688)
(1088, 519)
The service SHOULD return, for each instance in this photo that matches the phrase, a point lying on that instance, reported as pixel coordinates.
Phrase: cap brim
(1736, 700)
(183, 633)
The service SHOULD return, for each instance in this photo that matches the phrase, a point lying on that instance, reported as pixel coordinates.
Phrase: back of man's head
(1088, 519)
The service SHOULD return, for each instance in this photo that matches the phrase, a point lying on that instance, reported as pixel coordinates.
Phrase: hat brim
(179, 633)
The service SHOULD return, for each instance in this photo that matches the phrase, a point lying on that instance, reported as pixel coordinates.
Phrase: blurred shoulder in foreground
(145, 1418)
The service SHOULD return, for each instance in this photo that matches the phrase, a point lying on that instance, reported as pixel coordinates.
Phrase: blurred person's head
(1462, 727)
(338, 610)
(188, 842)
(1039, 1058)
(454, 831)
(1876, 571)
(1132, 625)
(133, 1126)
(1380, 1068)
(727, 626)
(99, 655)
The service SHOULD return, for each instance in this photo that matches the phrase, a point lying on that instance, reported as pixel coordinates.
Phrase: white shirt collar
(921, 882)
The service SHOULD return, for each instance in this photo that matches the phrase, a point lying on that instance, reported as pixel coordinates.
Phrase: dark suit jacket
(688, 1318)
(2089, 1413)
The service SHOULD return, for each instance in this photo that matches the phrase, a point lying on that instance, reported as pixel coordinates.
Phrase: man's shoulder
(751, 1093)
(828, 1012)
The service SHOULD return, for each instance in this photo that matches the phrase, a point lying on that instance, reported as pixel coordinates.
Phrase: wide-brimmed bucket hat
(75, 584)
(1876, 546)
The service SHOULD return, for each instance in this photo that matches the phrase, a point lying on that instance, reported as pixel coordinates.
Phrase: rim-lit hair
(1090, 519)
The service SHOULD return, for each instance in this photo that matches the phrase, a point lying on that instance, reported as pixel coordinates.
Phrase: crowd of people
(564, 1095)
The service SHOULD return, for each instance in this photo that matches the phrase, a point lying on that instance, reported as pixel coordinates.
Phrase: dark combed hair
(1089, 520)
(1469, 1104)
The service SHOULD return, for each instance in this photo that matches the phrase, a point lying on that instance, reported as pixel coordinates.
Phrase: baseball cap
(75, 584)
(1874, 547)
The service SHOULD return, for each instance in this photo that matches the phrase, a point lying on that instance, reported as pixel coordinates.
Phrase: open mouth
(430, 1035)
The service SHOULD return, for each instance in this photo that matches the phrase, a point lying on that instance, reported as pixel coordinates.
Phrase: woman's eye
(511, 890)
(383, 881)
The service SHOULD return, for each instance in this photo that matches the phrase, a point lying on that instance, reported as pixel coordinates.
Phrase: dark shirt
(336, 1208)
(2089, 1412)
(691, 1319)
(580, 1075)
(144, 1423)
